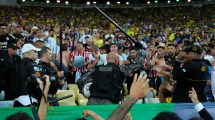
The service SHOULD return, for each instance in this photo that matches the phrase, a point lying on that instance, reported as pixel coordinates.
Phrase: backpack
(107, 83)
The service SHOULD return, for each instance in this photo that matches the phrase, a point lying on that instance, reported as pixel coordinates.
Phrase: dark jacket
(108, 83)
(190, 74)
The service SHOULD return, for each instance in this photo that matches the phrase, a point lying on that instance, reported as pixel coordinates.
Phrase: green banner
(138, 111)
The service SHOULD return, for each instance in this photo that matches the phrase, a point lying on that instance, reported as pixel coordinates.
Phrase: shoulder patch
(204, 68)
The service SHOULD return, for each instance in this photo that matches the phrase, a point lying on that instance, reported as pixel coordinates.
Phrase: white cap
(28, 47)
(95, 30)
(34, 27)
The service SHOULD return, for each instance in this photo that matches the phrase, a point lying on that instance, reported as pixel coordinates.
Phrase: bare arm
(139, 89)
(43, 105)
(92, 114)
(151, 63)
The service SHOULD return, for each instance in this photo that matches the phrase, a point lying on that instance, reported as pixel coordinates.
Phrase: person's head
(114, 48)
(39, 33)
(19, 116)
(89, 42)
(12, 47)
(110, 30)
(46, 54)
(160, 51)
(102, 50)
(171, 49)
(120, 50)
(39, 44)
(34, 29)
(139, 37)
(30, 51)
(19, 43)
(17, 29)
(151, 47)
(193, 52)
(159, 38)
(112, 58)
(58, 40)
(97, 35)
(3, 29)
(109, 40)
(133, 53)
(122, 41)
(166, 116)
(79, 46)
(125, 50)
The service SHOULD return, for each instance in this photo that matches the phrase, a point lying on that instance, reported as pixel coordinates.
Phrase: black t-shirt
(5, 40)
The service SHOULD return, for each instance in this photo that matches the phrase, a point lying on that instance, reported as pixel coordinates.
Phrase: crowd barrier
(138, 111)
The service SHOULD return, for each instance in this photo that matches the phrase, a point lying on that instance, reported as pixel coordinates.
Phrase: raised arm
(198, 106)
(43, 105)
(139, 89)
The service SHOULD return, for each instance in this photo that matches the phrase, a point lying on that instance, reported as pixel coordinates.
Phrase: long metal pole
(137, 44)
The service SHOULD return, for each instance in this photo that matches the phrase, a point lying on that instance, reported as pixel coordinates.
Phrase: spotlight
(94, 2)
(127, 3)
(67, 2)
(148, 2)
(169, 1)
(108, 3)
(23, 0)
(47, 1)
(88, 3)
(189, 0)
(58, 1)
(118, 2)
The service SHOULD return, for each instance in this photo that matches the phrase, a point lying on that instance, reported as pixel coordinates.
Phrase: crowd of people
(175, 47)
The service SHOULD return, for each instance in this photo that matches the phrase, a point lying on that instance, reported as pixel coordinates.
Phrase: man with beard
(157, 63)
(133, 65)
(166, 70)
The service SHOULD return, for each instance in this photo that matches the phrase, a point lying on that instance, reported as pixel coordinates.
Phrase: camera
(39, 72)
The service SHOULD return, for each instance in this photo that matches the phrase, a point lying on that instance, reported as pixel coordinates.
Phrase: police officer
(192, 73)
(26, 70)
(5, 38)
(107, 86)
(9, 70)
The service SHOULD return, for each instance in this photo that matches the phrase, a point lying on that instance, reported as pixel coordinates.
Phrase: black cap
(13, 46)
(193, 48)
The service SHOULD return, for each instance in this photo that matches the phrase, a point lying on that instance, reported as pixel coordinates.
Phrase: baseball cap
(193, 48)
(13, 46)
(29, 47)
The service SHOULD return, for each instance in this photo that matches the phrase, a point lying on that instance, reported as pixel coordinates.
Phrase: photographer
(26, 70)
(45, 59)
(42, 110)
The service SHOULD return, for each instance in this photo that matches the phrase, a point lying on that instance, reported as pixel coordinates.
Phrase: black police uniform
(9, 74)
(107, 84)
(5, 40)
(190, 74)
